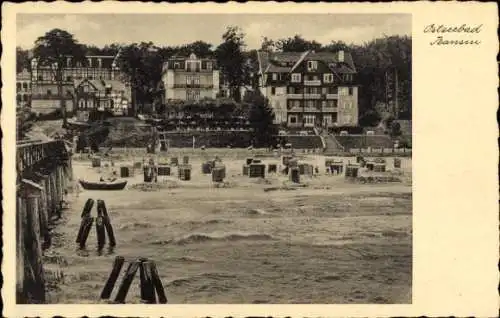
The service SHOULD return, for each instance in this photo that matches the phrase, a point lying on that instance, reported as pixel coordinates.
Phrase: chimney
(341, 56)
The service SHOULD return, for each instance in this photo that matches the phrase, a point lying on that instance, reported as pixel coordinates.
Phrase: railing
(312, 96)
(296, 96)
(327, 109)
(312, 82)
(332, 96)
(50, 97)
(31, 152)
(207, 86)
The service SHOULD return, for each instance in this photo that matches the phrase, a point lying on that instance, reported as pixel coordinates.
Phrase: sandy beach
(332, 241)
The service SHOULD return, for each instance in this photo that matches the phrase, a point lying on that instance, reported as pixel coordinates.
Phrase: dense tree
(22, 60)
(52, 49)
(231, 60)
(267, 44)
(261, 119)
(369, 119)
(199, 48)
(336, 46)
(296, 44)
(376, 60)
(395, 129)
(142, 67)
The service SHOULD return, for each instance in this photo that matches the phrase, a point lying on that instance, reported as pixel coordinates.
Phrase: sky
(178, 29)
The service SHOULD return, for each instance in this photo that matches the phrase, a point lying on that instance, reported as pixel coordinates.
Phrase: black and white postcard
(274, 160)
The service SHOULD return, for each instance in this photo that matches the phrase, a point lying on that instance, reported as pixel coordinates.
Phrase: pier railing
(43, 172)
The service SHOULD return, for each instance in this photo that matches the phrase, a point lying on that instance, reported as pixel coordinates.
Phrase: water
(347, 244)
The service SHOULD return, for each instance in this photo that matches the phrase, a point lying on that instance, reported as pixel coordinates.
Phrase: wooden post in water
(20, 250)
(36, 288)
(44, 219)
(59, 188)
(48, 195)
(53, 185)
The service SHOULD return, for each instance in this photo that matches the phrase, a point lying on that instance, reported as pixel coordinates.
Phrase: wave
(187, 259)
(214, 277)
(136, 225)
(207, 222)
(201, 238)
(256, 212)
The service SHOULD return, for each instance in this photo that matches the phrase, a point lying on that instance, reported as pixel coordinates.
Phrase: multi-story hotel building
(96, 68)
(23, 88)
(308, 89)
(190, 78)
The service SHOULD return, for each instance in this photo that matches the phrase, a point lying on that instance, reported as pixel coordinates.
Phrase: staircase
(332, 146)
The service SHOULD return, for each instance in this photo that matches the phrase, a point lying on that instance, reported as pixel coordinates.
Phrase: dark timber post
(20, 249)
(36, 288)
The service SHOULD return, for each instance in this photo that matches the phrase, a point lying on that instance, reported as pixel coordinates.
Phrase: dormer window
(328, 78)
(347, 77)
(312, 65)
(296, 78)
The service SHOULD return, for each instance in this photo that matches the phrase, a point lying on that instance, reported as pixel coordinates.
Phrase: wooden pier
(43, 174)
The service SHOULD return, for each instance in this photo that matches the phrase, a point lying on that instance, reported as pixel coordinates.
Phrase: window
(273, 90)
(309, 119)
(49, 92)
(343, 91)
(275, 76)
(312, 65)
(280, 91)
(209, 66)
(328, 78)
(293, 120)
(69, 78)
(177, 65)
(310, 103)
(18, 86)
(327, 119)
(347, 105)
(331, 103)
(351, 91)
(296, 78)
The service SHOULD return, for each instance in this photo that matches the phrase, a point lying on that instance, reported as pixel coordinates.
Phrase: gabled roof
(273, 61)
(101, 85)
(24, 75)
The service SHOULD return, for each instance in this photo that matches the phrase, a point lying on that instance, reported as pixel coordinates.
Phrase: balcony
(50, 97)
(311, 110)
(327, 109)
(193, 70)
(312, 96)
(193, 85)
(312, 82)
(295, 96)
(332, 96)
